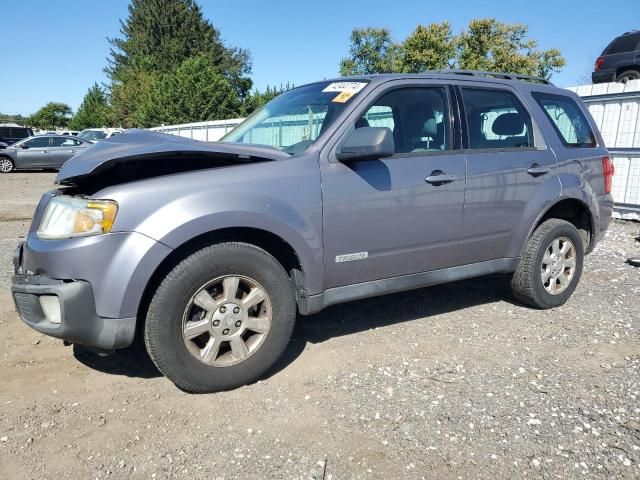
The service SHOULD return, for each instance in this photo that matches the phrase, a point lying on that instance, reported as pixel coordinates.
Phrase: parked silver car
(42, 151)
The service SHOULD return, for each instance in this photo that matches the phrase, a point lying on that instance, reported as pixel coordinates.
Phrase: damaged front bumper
(66, 310)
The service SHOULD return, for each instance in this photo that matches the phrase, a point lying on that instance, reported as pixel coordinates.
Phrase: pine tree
(157, 37)
(93, 111)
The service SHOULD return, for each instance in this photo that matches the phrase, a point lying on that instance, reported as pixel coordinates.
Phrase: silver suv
(334, 191)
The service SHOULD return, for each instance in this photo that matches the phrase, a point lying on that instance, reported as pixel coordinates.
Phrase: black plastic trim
(348, 293)
(80, 323)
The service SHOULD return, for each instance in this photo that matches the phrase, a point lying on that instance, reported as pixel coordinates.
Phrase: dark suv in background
(11, 134)
(620, 61)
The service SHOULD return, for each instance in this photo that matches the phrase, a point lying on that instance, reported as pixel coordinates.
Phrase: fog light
(51, 307)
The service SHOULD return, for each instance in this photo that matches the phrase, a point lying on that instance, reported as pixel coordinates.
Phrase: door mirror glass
(367, 143)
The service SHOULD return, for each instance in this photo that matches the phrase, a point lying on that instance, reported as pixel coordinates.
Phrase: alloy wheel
(227, 321)
(558, 265)
(6, 165)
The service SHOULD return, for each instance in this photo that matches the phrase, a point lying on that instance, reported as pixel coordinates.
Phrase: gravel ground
(452, 381)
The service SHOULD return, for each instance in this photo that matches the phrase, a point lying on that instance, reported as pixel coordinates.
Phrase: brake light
(607, 171)
(599, 63)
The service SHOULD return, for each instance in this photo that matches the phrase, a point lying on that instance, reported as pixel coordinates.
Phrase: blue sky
(54, 51)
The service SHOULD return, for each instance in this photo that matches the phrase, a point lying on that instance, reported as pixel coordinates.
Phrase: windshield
(295, 119)
(92, 135)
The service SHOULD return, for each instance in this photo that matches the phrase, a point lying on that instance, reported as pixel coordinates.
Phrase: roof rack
(506, 76)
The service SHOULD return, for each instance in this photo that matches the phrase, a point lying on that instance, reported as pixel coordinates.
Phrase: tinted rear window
(623, 44)
(5, 133)
(20, 133)
(567, 119)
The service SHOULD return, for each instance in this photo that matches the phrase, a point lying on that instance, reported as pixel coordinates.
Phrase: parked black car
(620, 61)
(11, 134)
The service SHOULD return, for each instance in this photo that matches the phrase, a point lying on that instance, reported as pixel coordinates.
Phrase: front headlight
(67, 217)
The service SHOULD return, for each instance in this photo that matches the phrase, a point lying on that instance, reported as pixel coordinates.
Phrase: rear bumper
(605, 204)
(78, 322)
(603, 76)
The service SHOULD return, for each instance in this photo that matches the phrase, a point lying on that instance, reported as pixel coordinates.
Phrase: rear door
(62, 149)
(507, 162)
(391, 217)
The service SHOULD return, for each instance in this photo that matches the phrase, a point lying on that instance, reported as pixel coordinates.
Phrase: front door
(393, 216)
(34, 156)
(507, 162)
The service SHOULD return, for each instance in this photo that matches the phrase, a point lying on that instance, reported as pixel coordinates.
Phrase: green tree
(372, 51)
(430, 47)
(495, 46)
(94, 110)
(486, 44)
(51, 116)
(257, 99)
(195, 92)
(157, 37)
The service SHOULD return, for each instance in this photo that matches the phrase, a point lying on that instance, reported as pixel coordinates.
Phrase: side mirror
(367, 143)
(24, 147)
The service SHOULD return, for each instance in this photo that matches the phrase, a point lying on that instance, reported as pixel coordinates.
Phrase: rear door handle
(438, 178)
(536, 170)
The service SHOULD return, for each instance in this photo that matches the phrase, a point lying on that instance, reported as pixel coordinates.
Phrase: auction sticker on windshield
(345, 90)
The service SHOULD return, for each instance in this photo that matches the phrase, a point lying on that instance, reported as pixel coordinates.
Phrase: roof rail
(506, 76)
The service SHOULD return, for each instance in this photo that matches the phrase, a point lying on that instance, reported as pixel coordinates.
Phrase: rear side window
(20, 133)
(623, 44)
(567, 119)
(496, 119)
(5, 133)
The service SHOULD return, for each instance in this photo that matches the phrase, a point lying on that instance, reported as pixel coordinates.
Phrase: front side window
(496, 119)
(294, 120)
(418, 118)
(567, 119)
(20, 133)
(40, 142)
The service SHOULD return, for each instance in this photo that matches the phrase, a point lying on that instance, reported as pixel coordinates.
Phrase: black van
(620, 61)
(11, 135)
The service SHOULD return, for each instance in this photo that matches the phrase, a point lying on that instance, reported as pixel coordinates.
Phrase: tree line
(169, 65)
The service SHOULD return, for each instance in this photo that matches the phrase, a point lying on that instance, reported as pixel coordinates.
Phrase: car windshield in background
(93, 135)
(295, 119)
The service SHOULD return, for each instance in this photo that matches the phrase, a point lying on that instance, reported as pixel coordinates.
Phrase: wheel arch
(273, 244)
(575, 211)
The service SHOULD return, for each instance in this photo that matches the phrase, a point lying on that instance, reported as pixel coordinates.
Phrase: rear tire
(6, 165)
(221, 318)
(627, 76)
(551, 265)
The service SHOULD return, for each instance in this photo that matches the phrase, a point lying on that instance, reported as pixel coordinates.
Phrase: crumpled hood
(144, 146)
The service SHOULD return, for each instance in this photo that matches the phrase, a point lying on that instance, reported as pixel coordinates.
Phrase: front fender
(204, 212)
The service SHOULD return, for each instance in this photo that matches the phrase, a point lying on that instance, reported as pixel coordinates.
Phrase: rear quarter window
(568, 120)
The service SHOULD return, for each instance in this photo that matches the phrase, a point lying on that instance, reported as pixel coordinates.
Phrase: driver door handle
(536, 170)
(439, 178)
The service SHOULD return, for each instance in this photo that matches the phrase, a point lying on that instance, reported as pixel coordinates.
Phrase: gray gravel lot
(452, 381)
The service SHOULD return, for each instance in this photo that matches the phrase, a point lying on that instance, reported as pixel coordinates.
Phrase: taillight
(599, 63)
(607, 171)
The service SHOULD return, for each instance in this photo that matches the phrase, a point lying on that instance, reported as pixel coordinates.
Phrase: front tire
(6, 165)
(221, 318)
(551, 265)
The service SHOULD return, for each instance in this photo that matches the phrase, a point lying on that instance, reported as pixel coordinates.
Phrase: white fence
(614, 106)
(210, 131)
